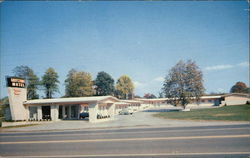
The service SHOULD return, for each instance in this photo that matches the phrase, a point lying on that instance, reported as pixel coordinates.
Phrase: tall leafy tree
(78, 84)
(50, 82)
(4, 103)
(31, 80)
(161, 95)
(104, 84)
(183, 83)
(124, 87)
(239, 87)
(149, 96)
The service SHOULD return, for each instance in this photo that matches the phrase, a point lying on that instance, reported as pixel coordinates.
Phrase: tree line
(77, 84)
(183, 84)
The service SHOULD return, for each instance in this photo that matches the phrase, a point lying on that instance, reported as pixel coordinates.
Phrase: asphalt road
(207, 141)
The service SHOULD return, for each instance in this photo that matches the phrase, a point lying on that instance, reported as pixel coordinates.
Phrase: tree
(137, 96)
(104, 84)
(124, 87)
(31, 80)
(50, 82)
(78, 84)
(4, 103)
(149, 96)
(239, 87)
(161, 95)
(247, 90)
(183, 83)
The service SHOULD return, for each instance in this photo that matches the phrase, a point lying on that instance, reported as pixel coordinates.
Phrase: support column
(79, 111)
(54, 111)
(39, 113)
(63, 112)
(93, 112)
(69, 112)
(27, 113)
(111, 111)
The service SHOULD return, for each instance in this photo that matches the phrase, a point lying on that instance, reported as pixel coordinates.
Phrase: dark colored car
(84, 114)
(46, 117)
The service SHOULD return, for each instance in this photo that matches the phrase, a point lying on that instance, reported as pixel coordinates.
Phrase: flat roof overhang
(72, 100)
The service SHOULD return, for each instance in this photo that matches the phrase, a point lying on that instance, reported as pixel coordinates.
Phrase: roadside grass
(226, 113)
(17, 126)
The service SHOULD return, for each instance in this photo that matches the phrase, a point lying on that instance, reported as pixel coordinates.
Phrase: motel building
(97, 108)
(100, 108)
(209, 100)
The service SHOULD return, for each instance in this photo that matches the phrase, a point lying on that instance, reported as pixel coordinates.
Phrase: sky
(142, 39)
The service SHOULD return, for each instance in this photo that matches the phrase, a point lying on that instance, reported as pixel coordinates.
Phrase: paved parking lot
(138, 119)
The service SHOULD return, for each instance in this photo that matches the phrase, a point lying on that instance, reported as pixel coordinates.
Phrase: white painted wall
(236, 100)
(54, 112)
(39, 113)
(16, 98)
(111, 111)
(93, 108)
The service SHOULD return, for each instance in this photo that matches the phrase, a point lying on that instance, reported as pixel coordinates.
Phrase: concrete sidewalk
(139, 119)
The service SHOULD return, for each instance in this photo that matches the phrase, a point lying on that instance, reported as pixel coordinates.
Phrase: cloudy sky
(140, 39)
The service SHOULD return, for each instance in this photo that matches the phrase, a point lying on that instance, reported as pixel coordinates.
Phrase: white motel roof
(164, 99)
(131, 101)
(71, 100)
(104, 98)
(121, 103)
(211, 97)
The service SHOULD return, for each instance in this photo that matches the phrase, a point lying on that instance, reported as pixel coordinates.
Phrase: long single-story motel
(99, 108)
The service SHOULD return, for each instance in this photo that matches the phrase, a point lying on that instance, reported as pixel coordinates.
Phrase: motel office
(99, 108)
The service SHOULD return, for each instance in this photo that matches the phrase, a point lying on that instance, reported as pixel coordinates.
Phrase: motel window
(32, 112)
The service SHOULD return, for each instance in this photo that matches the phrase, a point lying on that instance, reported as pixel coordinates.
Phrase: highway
(179, 142)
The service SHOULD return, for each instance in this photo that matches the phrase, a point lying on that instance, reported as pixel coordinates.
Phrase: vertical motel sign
(17, 94)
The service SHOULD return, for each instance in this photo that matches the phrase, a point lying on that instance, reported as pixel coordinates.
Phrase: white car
(126, 111)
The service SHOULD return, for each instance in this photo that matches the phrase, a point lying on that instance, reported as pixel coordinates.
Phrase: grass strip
(226, 113)
(17, 126)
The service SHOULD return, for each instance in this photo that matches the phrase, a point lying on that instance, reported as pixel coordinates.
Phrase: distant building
(210, 100)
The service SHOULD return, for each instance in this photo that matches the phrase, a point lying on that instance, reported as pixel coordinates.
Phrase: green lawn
(17, 126)
(226, 113)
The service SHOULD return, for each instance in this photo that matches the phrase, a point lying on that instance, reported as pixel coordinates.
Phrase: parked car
(126, 111)
(84, 114)
(46, 117)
